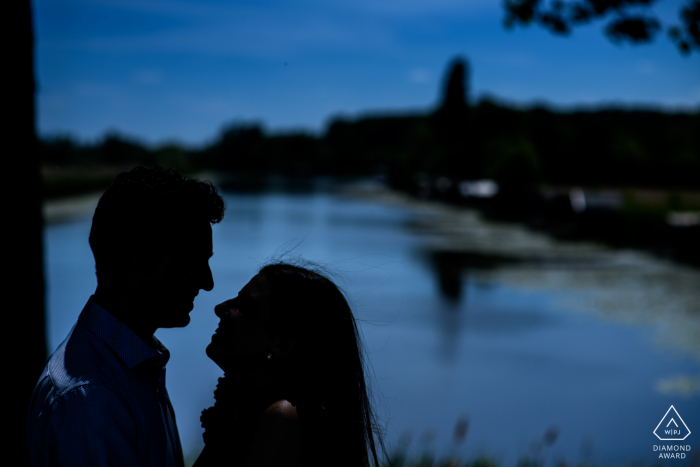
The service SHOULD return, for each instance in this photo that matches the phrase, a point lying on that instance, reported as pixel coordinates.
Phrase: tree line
(605, 147)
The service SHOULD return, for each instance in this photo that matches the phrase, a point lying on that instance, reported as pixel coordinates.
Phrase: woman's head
(309, 310)
(243, 340)
(302, 320)
(289, 313)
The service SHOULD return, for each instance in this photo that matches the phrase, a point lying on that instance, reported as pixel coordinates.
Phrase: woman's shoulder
(276, 440)
(269, 439)
(279, 415)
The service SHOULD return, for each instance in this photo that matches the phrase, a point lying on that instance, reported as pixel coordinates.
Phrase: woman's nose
(221, 310)
(225, 309)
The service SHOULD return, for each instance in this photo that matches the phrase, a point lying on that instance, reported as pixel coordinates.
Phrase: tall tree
(24, 273)
(452, 124)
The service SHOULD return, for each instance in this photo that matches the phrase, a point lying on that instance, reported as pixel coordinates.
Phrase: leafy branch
(626, 20)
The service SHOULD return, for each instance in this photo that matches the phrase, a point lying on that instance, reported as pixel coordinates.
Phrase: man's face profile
(181, 271)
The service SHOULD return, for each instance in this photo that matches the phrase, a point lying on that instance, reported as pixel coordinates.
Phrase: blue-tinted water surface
(518, 349)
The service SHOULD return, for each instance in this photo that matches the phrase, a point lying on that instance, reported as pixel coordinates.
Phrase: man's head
(151, 238)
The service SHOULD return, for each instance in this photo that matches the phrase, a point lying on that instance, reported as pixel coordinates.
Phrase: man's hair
(143, 205)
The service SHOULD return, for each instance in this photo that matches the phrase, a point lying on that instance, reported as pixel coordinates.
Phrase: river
(553, 350)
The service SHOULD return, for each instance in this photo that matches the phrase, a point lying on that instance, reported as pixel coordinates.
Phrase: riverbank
(73, 193)
(68, 208)
(60, 183)
(666, 224)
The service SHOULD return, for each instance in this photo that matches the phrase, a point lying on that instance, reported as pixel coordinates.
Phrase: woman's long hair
(326, 366)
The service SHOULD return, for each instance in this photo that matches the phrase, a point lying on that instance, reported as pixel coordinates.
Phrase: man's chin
(178, 322)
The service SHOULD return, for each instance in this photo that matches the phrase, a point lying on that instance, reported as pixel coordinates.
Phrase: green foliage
(633, 21)
(512, 162)
(515, 146)
(111, 151)
(72, 168)
(603, 147)
(67, 184)
(426, 459)
(172, 155)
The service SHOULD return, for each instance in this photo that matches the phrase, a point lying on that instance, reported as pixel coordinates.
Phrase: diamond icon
(671, 427)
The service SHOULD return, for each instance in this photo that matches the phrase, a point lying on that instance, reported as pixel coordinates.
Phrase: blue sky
(179, 70)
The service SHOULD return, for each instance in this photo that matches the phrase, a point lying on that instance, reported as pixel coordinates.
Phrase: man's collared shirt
(101, 400)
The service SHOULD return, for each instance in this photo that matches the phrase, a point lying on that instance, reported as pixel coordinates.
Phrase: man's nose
(207, 279)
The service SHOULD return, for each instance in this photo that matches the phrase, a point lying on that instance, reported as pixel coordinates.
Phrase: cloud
(272, 28)
(148, 77)
(683, 385)
(419, 76)
(55, 101)
(696, 92)
(404, 8)
(218, 105)
(108, 94)
(646, 67)
(243, 30)
(376, 8)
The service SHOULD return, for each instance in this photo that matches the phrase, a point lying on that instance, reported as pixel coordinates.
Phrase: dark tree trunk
(23, 281)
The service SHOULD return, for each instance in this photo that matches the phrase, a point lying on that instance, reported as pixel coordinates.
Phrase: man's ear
(148, 261)
(284, 347)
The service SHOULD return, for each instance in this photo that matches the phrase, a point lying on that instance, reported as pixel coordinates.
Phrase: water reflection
(449, 276)
(451, 315)
(627, 286)
(451, 269)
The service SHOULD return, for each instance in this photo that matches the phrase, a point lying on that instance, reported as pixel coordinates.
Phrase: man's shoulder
(75, 410)
(74, 384)
(82, 360)
(82, 377)
(84, 390)
(88, 402)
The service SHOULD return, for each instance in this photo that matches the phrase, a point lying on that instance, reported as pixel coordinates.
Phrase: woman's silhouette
(293, 391)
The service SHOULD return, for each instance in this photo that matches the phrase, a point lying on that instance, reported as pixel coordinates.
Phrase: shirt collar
(123, 341)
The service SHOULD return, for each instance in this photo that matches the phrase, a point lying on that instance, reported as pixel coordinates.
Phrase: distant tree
(452, 123)
(292, 154)
(627, 20)
(239, 148)
(172, 155)
(454, 98)
(115, 149)
(59, 150)
(513, 162)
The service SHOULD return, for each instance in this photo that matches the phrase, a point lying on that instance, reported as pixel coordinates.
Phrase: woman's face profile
(242, 335)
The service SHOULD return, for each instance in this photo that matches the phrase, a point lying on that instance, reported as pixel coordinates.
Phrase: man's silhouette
(101, 399)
